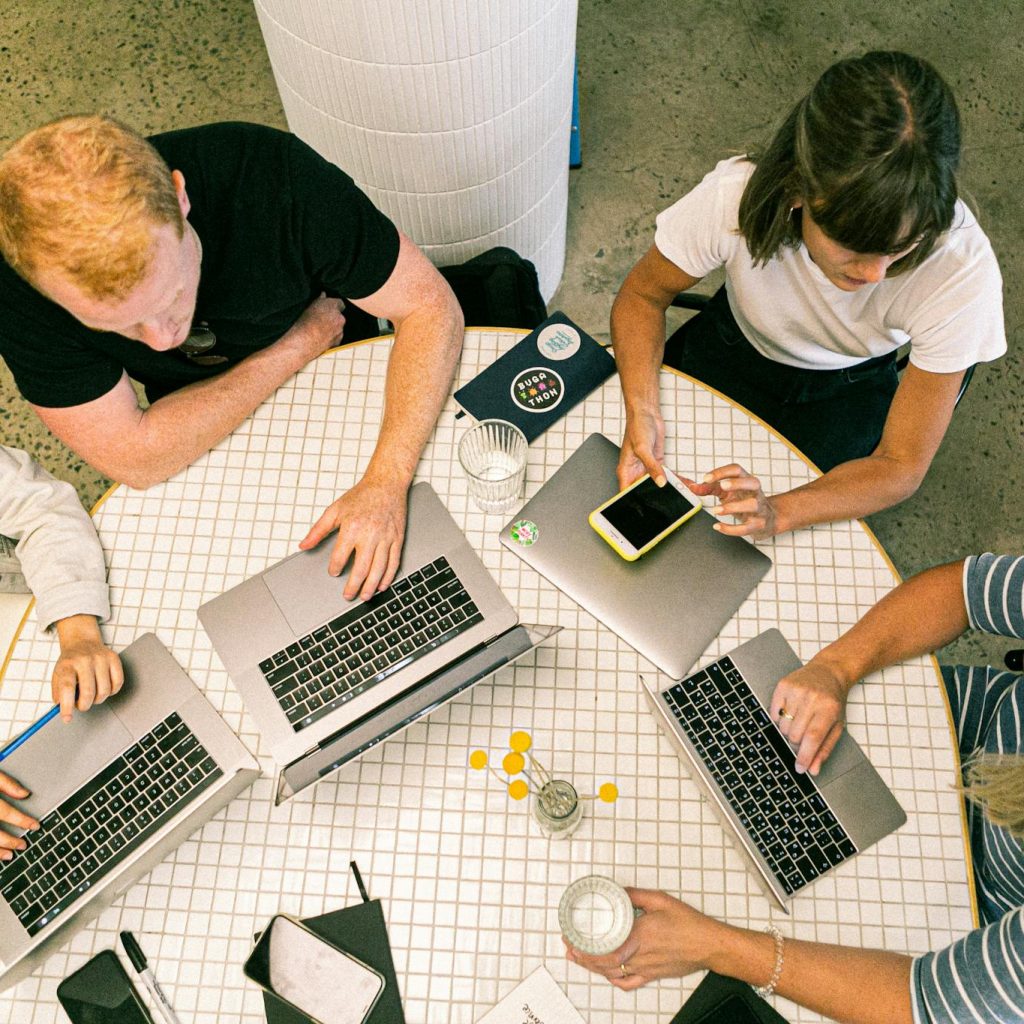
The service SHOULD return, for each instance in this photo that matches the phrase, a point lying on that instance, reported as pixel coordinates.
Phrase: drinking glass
(493, 456)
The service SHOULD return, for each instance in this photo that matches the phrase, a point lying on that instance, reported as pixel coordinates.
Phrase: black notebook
(361, 931)
(540, 379)
(721, 1000)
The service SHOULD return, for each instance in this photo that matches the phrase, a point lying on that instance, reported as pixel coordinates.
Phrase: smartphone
(643, 514)
(100, 992)
(312, 975)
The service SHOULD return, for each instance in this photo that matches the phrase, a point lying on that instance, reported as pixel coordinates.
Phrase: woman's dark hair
(873, 149)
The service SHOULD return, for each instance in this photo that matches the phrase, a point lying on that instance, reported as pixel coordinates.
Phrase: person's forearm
(851, 490)
(423, 360)
(176, 429)
(922, 614)
(76, 629)
(638, 341)
(846, 984)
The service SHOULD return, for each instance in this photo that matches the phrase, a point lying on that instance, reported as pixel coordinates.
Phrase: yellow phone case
(614, 544)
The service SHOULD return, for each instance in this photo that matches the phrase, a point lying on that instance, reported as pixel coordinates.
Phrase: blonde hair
(80, 196)
(995, 782)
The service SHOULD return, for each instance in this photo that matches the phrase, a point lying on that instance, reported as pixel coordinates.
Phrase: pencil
(29, 733)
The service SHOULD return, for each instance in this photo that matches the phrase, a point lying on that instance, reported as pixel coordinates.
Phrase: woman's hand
(670, 939)
(643, 448)
(809, 706)
(741, 496)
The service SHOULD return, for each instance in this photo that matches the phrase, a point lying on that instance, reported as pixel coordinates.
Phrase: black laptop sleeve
(721, 1000)
(361, 931)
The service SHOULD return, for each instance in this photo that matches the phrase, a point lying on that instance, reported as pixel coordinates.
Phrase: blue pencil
(29, 732)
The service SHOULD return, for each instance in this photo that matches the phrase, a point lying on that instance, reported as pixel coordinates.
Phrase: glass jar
(557, 809)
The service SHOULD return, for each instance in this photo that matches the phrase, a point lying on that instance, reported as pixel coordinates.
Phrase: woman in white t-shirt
(842, 241)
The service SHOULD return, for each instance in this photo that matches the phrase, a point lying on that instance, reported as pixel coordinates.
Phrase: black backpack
(498, 288)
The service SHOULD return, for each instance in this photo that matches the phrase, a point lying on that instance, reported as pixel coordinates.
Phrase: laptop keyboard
(782, 810)
(109, 818)
(370, 642)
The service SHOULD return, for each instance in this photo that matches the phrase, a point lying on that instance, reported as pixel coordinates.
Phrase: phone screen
(101, 992)
(646, 511)
(315, 977)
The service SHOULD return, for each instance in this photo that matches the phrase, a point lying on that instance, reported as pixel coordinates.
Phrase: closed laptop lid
(669, 604)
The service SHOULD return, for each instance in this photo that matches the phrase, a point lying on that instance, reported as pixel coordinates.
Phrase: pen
(138, 959)
(29, 732)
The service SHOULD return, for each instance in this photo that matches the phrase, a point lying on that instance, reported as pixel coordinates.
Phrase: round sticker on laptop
(558, 341)
(537, 389)
(524, 532)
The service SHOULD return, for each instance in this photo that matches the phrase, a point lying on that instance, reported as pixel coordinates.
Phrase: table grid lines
(470, 889)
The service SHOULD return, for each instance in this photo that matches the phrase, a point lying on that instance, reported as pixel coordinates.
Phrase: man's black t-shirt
(278, 226)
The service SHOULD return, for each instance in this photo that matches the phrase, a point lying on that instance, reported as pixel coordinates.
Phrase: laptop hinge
(381, 707)
(489, 642)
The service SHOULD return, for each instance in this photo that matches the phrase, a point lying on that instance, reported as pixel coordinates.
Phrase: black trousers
(832, 416)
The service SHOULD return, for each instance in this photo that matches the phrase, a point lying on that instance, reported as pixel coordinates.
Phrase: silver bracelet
(764, 991)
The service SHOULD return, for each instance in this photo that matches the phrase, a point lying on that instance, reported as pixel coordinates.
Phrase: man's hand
(815, 696)
(319, 328)
(370, 520)
(643, 448)
(12, 816)
(739, 495)
(669, 940)
(86, 664)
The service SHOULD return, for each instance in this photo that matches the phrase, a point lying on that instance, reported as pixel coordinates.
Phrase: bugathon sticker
(537, 389)
(558, 341)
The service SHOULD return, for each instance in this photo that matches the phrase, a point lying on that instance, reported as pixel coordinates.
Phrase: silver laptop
(671, 603)
(115, 790)
(790, 827)
(326, 679)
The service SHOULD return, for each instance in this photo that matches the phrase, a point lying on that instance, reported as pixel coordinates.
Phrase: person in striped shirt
(979, 977)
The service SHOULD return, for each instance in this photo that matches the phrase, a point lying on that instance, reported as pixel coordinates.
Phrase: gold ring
(783, 713)
(623, 971)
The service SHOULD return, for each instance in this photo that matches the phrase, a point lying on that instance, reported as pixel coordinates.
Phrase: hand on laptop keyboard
(370, 520)
(809, 706)
(10, 815)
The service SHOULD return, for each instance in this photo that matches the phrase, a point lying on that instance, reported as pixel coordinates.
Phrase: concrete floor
(666, 89)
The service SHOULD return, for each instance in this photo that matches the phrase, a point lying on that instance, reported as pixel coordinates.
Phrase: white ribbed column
(452, 115)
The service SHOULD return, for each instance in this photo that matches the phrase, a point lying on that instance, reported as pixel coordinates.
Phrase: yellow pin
(478, 759)
(513, 763)
(520, 741)
(518, 789)
(608, 792)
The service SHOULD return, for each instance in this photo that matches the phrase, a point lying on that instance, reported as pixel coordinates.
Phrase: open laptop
(115, 791)
(790, 827)
(326, 679)
(669, 604)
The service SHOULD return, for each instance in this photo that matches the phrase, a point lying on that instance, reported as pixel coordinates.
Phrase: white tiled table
(469, 888)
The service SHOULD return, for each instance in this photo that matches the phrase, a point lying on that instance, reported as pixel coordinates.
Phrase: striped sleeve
(979, 979)
(994, 591)
(974, 695)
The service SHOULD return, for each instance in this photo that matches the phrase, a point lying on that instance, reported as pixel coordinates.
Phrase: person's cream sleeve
(57, 545)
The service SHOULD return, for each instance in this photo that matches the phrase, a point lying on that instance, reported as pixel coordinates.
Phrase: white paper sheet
(536, 1000)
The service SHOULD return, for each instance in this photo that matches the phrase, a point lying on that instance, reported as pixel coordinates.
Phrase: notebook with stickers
(540, 379)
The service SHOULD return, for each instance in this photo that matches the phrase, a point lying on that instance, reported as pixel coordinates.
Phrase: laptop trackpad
(59, 758)
(303, 591)
(845, 755)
